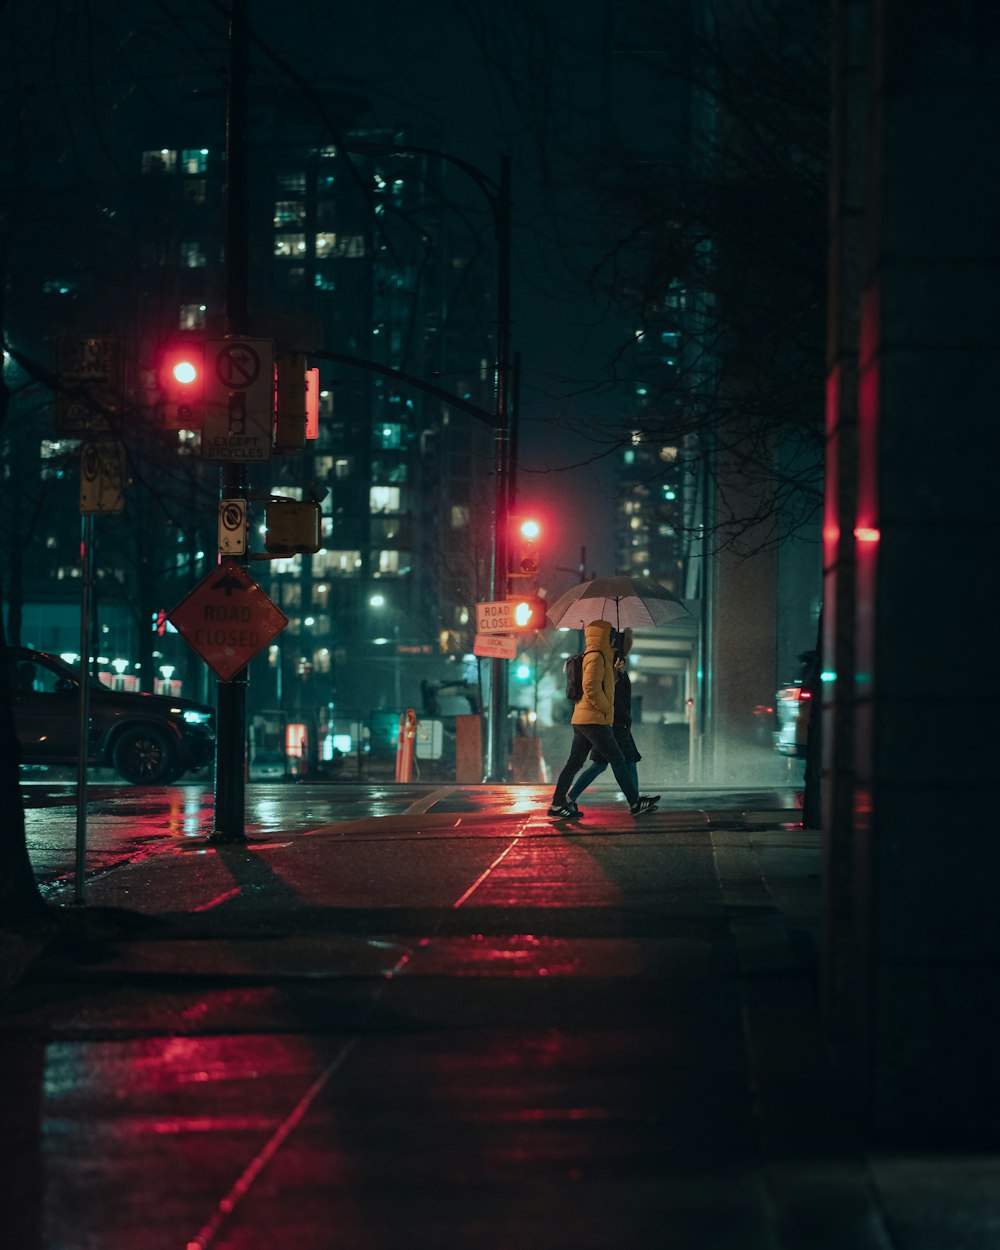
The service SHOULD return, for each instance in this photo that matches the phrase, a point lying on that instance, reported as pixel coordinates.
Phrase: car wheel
(145, 756)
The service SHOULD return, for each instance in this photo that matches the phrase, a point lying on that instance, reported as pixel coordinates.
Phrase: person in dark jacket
(622, 727)
(592, 720)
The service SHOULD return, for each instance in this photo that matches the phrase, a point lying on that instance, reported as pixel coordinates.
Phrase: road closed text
(227, 625)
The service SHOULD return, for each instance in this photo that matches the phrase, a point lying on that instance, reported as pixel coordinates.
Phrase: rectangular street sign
(497, 646)
(495, 617)
(232, 526)
(239, 400)
(89, 369)
(102, 474)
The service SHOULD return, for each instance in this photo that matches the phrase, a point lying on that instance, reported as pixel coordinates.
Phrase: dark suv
(150, 739)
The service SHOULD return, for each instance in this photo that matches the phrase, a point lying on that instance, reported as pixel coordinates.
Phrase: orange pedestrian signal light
(529, 613)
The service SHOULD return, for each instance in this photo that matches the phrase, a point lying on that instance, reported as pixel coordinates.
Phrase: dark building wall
(913, 933)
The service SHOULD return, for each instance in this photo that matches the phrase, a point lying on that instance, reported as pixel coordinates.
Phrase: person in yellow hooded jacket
(593, 716)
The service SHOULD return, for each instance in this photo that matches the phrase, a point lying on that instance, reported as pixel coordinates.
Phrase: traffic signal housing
(291, 527)
(529, 612)
(527, 538)
(290, 402)
(180, 377)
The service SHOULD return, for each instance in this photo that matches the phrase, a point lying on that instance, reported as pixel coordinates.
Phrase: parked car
(149, 739)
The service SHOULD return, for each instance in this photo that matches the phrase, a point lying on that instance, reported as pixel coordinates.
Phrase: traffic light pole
(230, 746)
(497, 758)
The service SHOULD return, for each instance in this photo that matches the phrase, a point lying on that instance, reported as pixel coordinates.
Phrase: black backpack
(573, 669)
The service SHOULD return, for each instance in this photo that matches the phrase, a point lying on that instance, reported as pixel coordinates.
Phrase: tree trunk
(20, 900)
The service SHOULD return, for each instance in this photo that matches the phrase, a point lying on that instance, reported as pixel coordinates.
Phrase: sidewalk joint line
(207, 1233)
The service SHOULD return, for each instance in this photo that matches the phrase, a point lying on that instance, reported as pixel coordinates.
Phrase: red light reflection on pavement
(514, 955)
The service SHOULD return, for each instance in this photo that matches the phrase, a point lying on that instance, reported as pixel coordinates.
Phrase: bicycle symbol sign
(237, 366)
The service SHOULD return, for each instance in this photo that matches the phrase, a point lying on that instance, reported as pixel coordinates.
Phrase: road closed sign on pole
(239, 400)
(227, 619)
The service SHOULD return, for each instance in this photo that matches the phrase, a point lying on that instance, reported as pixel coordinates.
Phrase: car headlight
(197, 718)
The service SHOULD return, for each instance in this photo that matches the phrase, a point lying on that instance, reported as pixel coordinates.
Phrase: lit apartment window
(383, 499)
(389, 562)
(342, 469)
(460, 515)
(55, 456)
(194, 160)
(293, 184)
(290, 245)
(289, 213)
(668, 453)
(161, 161)
(192, 256)
(192, 317)
(336, 563)
(291, 595)
(388, 435)
(326, 244)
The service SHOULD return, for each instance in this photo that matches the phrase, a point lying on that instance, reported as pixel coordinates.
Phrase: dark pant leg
(602, 737)
(578, 752)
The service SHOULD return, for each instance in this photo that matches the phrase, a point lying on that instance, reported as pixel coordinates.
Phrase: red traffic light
(180, 377)
(527, 536)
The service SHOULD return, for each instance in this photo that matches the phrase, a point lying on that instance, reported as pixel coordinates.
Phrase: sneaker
(576, 810)
(563, 810)
(646, 803)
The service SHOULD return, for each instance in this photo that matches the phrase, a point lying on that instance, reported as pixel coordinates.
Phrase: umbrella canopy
(627, 602)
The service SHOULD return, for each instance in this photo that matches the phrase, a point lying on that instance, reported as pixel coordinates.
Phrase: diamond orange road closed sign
(227, 619)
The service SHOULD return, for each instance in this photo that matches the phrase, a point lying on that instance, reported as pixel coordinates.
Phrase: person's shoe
(562, 810)
(576, 810)
(646, 803)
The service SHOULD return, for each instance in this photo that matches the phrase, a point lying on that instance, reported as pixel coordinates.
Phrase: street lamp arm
(408, 379)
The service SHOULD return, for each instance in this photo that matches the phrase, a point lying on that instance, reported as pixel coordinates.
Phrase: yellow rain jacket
(597, 705)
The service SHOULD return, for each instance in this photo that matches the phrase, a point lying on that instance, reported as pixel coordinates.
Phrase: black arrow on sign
(228, 584)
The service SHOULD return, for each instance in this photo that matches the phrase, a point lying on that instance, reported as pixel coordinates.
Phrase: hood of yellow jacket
(598, 634)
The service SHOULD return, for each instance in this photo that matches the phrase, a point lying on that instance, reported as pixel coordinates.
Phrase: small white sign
(495, 617)
(498, 646)
(232, 526)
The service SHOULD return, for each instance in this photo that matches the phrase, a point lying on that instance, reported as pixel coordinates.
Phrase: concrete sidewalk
(456, 1029)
